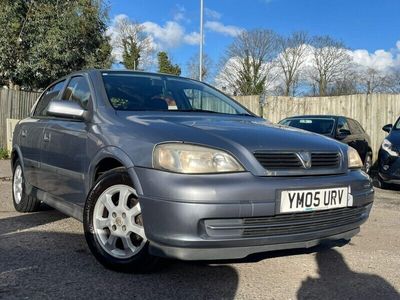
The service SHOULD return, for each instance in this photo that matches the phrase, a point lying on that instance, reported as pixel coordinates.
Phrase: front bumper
(389, 168)
(177, 211)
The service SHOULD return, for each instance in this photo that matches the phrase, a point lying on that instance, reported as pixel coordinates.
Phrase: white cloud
(212, 14)
(379, 60)
(223, 29)
(169, 35)
(179, 14)
(192, 38)
(162, 37)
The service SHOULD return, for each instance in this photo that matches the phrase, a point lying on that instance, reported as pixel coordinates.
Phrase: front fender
(119, 155)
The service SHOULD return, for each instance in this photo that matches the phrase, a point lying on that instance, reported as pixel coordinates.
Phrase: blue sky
(361, 24)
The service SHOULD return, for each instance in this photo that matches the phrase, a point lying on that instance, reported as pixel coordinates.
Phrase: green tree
(10, 27)
(165, 65)
(53, 38)
(131, 55)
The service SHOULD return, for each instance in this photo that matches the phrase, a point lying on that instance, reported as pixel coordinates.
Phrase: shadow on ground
(48, 265)
(337, 281)
(51, 265)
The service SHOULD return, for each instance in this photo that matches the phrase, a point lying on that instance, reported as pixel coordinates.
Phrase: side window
(360, 129)
(355, 128)
(78, 91)
(51, 93)
(343, 124)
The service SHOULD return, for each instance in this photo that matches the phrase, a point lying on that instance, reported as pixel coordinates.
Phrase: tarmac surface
(44, 255)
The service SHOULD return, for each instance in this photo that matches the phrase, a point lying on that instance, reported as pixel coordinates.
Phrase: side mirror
(387, 127)
(343, 133)
(66, 109)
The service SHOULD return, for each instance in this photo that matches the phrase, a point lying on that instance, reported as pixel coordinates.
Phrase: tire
(382, 184)
(21, 200)
(113, 225)
(367, 163)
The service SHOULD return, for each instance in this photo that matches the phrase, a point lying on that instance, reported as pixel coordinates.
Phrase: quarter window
(78, 90)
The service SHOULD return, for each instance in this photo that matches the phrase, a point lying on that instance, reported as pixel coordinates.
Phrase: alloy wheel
(17, 184)
(118, 223)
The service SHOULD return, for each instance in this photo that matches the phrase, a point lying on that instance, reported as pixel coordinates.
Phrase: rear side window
(359, 127)
(343, 124)
(51, 93)
(355, 127)
(78, 90)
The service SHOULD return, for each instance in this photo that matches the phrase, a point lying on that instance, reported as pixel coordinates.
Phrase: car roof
(133, 72)
(316, 116)
(99, 71)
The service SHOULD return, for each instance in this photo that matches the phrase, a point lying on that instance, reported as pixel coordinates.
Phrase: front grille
(271, 160)
(285, 224)
(293, 161)
(324, 160)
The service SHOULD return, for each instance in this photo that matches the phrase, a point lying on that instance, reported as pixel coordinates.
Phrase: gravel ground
(44, 255)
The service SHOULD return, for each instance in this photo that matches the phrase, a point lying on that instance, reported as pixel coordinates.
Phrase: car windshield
(317, 125)
(144, 92)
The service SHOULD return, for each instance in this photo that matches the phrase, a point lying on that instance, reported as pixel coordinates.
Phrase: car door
(65, 157)
(31, 135)
(359, 137)
(343, 125)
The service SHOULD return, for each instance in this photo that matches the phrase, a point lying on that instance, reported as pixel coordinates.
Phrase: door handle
(46, 137)
(23, 132)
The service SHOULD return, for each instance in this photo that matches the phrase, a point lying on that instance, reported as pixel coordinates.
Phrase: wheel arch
(16, 154)
(109, 158)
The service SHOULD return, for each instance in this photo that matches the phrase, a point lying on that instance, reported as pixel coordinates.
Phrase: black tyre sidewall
(142, 262)
(27, 203)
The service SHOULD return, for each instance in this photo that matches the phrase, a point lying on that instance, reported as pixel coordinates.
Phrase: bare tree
(370, 80)
(293, 52)
(132, 43)
(193, 67)
(394, 81)
(330, 62)
(248, 63)
(346, 84)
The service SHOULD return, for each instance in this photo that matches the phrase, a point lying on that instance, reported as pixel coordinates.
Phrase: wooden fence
(372, 111)
(13, 105)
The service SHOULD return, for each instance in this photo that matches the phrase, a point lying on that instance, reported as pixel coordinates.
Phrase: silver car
(162, 166)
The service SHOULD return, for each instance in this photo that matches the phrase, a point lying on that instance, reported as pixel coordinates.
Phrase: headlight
(191, 159)
(354, 160)
(388, 147)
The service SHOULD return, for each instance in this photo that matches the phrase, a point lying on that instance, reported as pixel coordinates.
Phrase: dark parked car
(344, 129)
(389, 155)
(162, 166)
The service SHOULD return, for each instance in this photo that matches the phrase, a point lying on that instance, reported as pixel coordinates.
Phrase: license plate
(310, 200)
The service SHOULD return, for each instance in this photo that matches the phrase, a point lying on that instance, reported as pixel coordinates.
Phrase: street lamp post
(201, 40)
